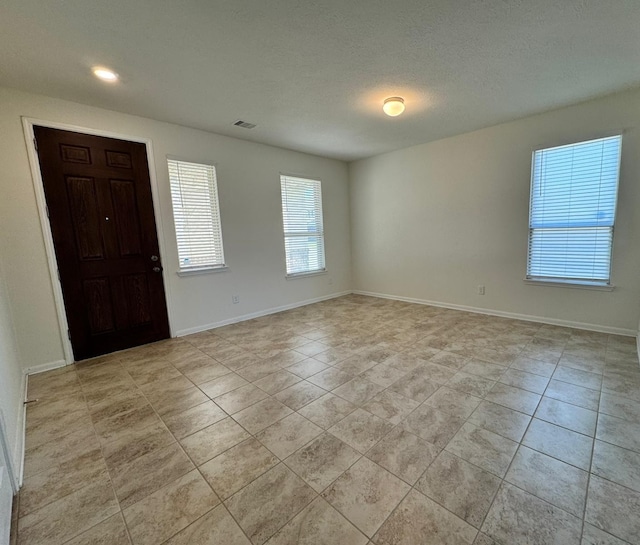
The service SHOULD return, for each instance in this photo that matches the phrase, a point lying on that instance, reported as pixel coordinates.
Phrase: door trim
(38, 187)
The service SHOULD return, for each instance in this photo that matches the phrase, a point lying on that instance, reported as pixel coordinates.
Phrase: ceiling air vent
(244, 124)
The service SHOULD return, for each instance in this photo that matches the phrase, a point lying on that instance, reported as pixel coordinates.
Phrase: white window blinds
(303, 228)
(574, 191)
(194, 195)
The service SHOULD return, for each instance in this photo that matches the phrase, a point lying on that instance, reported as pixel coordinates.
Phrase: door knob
(154, 258)
(156, 269)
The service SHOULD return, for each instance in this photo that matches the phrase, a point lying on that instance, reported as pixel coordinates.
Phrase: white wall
(249, 186)
(434, 221)
(11, 383)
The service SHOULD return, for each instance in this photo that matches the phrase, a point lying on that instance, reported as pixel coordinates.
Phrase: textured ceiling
(313, 74)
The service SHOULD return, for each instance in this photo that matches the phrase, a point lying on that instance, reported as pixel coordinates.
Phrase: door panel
(101, 213)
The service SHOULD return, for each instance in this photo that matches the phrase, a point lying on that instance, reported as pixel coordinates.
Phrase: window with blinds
(196, 212)
(303, 228)
(574, 191)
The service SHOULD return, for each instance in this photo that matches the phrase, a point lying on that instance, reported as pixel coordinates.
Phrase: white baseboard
(513, 315)
(244, 317)
(21, 431)
(45, 367)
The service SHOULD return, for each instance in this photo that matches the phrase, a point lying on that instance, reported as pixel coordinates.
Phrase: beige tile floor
(352, 421)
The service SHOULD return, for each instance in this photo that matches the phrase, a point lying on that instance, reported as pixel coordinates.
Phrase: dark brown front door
(101, 213)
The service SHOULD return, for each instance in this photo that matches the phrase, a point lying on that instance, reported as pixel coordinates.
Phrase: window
(574, 190)
(194, 195)
(303, 230)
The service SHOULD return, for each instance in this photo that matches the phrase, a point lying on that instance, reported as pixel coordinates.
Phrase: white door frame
(38, 186)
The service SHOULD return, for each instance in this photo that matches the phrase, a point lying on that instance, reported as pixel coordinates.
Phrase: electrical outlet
(235, 299)
(480, 290)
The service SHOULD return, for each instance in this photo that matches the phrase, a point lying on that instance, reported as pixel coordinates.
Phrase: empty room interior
(343, 272)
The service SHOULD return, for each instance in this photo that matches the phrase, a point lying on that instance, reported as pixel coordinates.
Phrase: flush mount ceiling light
(393, 106)
(105, 74)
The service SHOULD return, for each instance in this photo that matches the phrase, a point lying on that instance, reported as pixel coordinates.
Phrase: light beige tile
(327, 410)
(620, 432)
(119, 426)
(330, 378)
(514, 398)
(537, 367)
(113, 406)
(264, 413)
(501, 420)
(383, 374)
(269, 502)
(203, 370)
(404, 454)
(219, 386)
(288, 435)
(576, 395)
(470, 384)
(620, 407)
(432, 425)
(568, 416)
(213, 440)
(578, 377)
(524, 380)
(484, 369)
(194, 419)
(259, 370)
(69, 516)
(136, 443)
(519, 517)
(614, 509)
(450, 359)
(415, 385)
(390, 406)
(307, 367)
(616, 464)
(299, 395)
(167, 402)
(170, 509)
(420, 520)
(318, 524)
(322, 461)
(148, 473)
(61, 480)
(594, 536)
(358, 390)
(215, 528)
(361, 430)
(483, 448)
(277, 381)
(230, 471)
(111, 531)
(549, 479)
(454, 402)
(366, 494)
(60, 450)
(464, 489)
(563, 444)
(236, 400)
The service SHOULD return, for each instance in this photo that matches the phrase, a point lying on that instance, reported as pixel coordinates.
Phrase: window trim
(196, 271)
(314, 272)
(604, 285)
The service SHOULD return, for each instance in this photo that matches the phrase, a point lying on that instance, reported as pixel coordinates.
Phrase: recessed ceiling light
(393, 106)
(105, 74)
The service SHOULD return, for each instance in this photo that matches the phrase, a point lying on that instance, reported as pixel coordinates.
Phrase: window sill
(204, 270)
(305, 274)
(569, 284)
